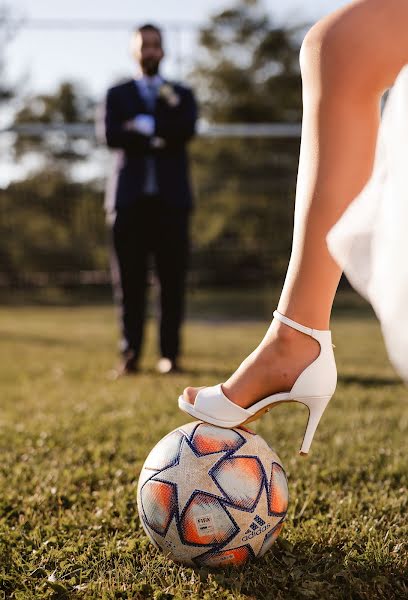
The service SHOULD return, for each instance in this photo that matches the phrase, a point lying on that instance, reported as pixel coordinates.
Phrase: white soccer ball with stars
(211, 497)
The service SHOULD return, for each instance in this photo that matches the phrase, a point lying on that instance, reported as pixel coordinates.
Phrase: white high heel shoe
(314, 387)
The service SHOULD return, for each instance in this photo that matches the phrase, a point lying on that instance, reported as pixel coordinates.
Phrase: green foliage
(247, 71)
(50, 225)
(73, 442)
(245, 196)
(242, 227)
(248, 68)
(68, 105)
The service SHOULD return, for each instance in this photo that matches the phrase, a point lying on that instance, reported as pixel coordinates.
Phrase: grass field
(72, 442)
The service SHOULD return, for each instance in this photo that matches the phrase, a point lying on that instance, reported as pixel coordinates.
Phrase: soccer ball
(211, 497)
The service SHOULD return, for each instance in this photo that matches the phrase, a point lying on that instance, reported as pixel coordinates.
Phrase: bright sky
(42, 58)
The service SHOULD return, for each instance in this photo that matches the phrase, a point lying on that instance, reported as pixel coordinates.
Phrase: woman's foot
(272, 367)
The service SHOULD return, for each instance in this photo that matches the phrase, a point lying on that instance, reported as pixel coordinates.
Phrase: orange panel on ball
(206, 522)
(278, 490)
(208, 439)
(235, 557)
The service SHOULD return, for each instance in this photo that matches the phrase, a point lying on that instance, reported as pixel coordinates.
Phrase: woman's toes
(190, 393)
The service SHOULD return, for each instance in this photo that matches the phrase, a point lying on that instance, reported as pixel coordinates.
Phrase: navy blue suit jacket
(174, 124)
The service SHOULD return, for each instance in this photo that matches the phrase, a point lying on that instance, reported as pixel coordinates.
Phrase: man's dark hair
(149, 27)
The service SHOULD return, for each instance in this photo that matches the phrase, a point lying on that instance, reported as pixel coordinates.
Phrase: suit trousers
(150, 230)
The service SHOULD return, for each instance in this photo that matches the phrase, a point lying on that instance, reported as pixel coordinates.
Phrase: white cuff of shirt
(145, 124)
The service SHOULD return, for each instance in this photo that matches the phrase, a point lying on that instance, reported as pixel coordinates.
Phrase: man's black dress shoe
(129, 363)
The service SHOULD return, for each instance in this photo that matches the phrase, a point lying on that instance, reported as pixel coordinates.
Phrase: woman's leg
(347, 61)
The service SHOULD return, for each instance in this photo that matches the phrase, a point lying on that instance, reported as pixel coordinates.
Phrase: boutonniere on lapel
(169, 95)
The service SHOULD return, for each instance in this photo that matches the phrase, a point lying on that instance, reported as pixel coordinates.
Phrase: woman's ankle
(287, 342)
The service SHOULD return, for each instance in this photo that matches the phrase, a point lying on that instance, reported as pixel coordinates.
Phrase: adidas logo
(257, 527)
(256, 524)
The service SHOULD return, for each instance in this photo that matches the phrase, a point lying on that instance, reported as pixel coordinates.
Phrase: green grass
(72, 442)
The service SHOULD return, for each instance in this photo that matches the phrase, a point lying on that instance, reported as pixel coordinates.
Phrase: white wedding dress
(370, 241)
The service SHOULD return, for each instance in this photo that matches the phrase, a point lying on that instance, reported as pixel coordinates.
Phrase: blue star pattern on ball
(212, 496)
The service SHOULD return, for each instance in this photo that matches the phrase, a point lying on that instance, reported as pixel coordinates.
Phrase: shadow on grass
(369, 381)
(310, 570)
(29, 338)
(222, 374)
(214, 374)
(204, 372)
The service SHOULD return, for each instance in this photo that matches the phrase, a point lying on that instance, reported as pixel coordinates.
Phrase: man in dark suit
(149, 122)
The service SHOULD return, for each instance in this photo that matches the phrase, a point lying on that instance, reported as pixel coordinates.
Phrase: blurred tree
(248, 72)
(248, 69)
(69, 105)
(50, 225)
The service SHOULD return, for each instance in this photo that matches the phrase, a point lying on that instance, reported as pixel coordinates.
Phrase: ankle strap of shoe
(293, 324)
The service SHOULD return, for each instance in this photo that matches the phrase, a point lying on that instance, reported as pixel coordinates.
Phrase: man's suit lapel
(136, 100)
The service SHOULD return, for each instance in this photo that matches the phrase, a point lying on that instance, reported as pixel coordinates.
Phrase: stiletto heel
(316, 407)
(314, 387)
